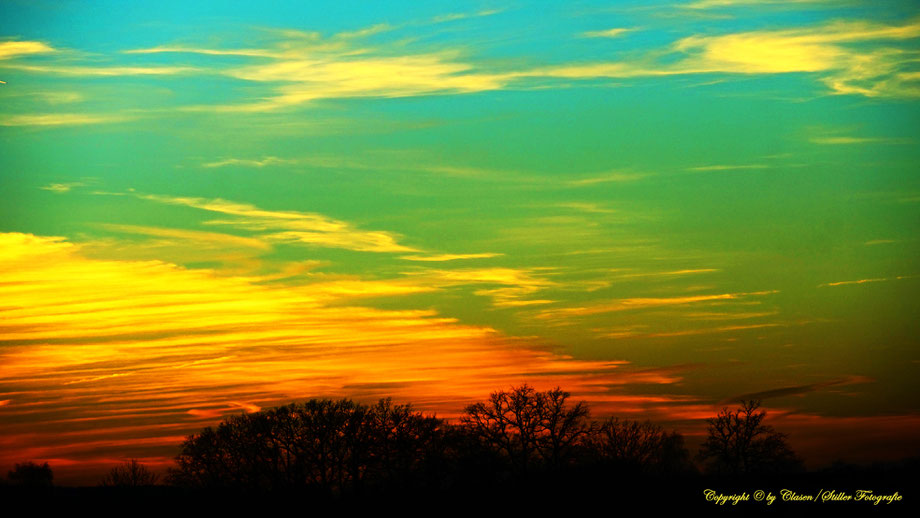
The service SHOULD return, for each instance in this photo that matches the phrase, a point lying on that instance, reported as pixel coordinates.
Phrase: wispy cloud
(797, 390)
(451, 17)
(157, 351)
(290, 226)
(727, 167)
(711, 4)
(13, 49)
(448, 257)
(849, 56)
(61, 119)
(97, 71)
(308, 79)
(848, 140)
(644, 303)
(269, 160)
(611, 177)
(62, 187)
(515, 285)
(608, 33)
(847, 283)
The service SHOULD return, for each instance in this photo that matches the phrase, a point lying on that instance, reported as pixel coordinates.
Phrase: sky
(662, 207)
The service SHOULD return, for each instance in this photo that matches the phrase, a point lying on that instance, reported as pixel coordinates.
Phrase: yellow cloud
(12, 49)
(269, 160)
(346, 76)
(60, 119)
(515, 284)
(643, 303)
(609, 33)
(849, 55)
(447, 257)
(290, 226)
(709, 4)
(847, 283)
(100, 357)
(103, 71)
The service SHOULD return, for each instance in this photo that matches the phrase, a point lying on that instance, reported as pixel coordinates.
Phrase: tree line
(516, 438)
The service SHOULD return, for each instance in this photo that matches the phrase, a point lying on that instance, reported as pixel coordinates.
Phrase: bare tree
(740, 443)
(528, 426)
(130, 473)
(640, 447)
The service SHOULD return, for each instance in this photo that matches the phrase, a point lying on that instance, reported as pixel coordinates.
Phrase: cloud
(710, 4)
(797, 390)
(198, 237)
(13, 49)
(113, 71)
(61, 119)
(62, 187)
(851, 57)
(289, 226)
(611, 177)
(448, 257)
(515, 284)
(834, 141)
(157, 351)
(462, 16)
(846, 283)
(644, 303)
(609, 33)
(727, 167)
(166, 49)
(269, 160)
(312, 78)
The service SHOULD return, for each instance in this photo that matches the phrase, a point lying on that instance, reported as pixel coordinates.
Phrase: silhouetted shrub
(129, 474)
(31, 475)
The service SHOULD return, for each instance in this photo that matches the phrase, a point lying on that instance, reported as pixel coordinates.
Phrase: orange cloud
(102, 359)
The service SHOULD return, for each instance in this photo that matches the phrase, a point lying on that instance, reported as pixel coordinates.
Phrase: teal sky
(661, 206)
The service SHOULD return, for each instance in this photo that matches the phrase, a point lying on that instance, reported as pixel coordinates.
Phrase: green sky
(660, 206)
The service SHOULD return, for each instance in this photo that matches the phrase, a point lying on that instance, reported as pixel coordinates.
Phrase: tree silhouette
(639, 447)
(739, 443)
(330, 447)
(130, 473)
(31, 475)
(528, 427)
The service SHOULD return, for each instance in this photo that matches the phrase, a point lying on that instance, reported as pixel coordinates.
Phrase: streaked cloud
(846, 283)
(97, 71)
(644, 303)
(136, 354)
(728, 167)
(62, 187)
(448, 257)
(451, 17)
(515, 285)
(711, 4)
(850, 56)
(269, 160)
(798, 390)
(305, 80)
(611, 177)
(847, 140)
(289, 226)
(608, 33)
(13, 49)
(61, 119)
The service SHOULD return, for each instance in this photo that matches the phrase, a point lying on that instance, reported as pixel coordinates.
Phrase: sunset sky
(661, 207)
